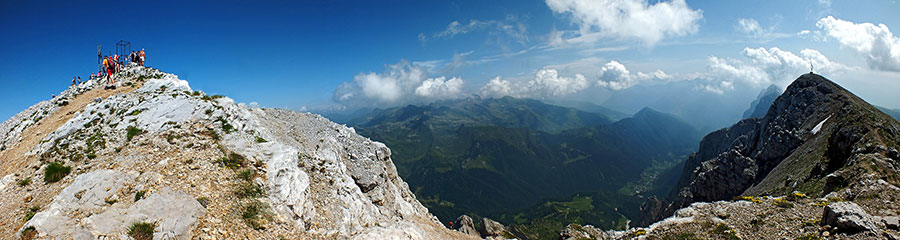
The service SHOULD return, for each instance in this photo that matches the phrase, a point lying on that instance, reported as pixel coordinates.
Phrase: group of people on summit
(112, 64)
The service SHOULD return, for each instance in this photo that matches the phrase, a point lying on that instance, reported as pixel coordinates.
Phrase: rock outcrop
(819, 164)
(814, 129)
(196, 166)
(849, 217)
(466, 225)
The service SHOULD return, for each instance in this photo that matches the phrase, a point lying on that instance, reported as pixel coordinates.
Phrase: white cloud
(625, 19)
(400, 83)
(547, 83)
(751, 27)
(875, 43)
(440, 88)
(615, 76)
(510, 27)
(764, 67)
(497, 87)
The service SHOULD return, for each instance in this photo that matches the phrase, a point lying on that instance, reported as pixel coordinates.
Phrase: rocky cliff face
(93, 163)
(818, 140)
(810, 131)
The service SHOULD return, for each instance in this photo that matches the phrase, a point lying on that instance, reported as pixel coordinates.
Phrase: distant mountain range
(508, 158)
(760, 106)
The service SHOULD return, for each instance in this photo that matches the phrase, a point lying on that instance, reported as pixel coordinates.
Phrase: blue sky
(324, 54)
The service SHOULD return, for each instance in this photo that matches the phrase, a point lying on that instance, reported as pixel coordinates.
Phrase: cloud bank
(547, 83)
(625, 19)
(875, 43)
(763, 67)
(614, 76)
(400, 83)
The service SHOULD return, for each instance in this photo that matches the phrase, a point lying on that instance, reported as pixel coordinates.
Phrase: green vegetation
(725, 231)
(246, 174)
(226, 127)
(204, 201)
(132, 131)
(545, 220)
(55, 171)
(233, 161)
(253, 213)
(31, 211)
(139, 195)
(502, 157)
(248, 190)
(141, 230)
(29, 233)
(260, 140)
(24, 182)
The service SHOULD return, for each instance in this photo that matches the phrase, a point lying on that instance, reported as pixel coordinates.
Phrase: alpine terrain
(820, 164)
(154, 158)
(531, 165)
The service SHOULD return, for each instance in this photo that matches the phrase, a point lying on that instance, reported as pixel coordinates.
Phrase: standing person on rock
(142, 56)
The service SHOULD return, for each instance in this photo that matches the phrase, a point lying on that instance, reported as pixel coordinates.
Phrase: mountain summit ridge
(819, 148)
(194, 165)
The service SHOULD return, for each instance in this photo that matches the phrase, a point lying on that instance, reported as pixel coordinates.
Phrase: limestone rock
(466, 225)
(847, 216)
(892, 222)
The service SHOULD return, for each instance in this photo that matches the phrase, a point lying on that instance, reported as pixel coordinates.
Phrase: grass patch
(233, 161)
(141, 230)
(31, 211)
(226, 127)
(29, 233)
(253, 213)
(204, 201)
(139, 195)
(260, 140)
(55, 171)
(246, 174)
(248, 190)
(133, 131)
(725, 231)
(24, 182)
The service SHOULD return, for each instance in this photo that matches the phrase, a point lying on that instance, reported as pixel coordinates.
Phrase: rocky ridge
(196, 166)
(821, 164)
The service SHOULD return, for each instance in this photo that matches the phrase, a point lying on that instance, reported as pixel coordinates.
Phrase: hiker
(132, 57)
(142, 56)
(110, 67)
(73, 81)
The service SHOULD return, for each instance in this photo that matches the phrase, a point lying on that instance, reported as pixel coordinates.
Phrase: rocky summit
(821, 164)
(154, 158)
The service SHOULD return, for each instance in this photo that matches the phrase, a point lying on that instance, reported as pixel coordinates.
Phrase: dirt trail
(13, 159)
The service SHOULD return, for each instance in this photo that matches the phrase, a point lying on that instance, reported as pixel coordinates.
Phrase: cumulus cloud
(765, 66)
(625, 19)
(614, 76)
(875, 43)
(400, 83)
(440, 87)
(497, 87)
(547, 83)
